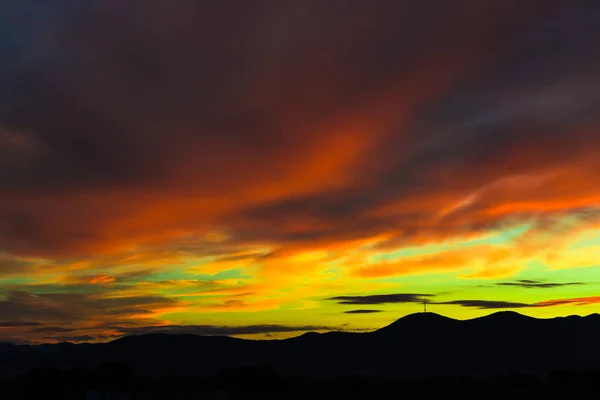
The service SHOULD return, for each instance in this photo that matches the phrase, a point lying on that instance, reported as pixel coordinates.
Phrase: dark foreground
(116, 380)
(423, 344)
(501, 356)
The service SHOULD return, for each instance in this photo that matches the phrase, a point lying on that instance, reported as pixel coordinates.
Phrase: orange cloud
(102, 279)
(580, 301)
(411, 265)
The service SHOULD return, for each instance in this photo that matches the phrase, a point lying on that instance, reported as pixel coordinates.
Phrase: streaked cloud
(486, 304)
(362, 311)
(533, 284)
(382, 298)
(492, 304)
(433, 300)
(578, 301)
(212, 330)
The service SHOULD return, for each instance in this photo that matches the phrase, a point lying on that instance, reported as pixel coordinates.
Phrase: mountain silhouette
(420, 323)
(417, 344)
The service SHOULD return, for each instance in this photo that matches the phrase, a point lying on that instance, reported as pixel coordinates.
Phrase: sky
(265, 168)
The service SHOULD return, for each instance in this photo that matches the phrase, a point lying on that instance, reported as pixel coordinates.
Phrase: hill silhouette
(416, 345)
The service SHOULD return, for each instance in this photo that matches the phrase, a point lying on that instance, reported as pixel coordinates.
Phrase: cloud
(470, 303)
(13, 324)
(578, 301)
(145, 150)
(11, 266)
(418, 298)
(57, 311)
(135, 132)
(98, 279)
(215, 330)
(443, 261)
(486, 304)
(498, 304)
(362, 311)
(125, 141)
(52, 330)
(381, 298)
(533, 284)
(20, 306)
(82, 338)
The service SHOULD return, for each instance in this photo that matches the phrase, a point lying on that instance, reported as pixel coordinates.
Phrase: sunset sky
(264, 168)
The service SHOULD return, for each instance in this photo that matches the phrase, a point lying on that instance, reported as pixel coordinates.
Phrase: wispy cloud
(577, 301)
(486, 304)
(381, 298)
(399, 298)
(534, 284)
(13, 324)
(216, 330)
(498, 304)
(20, 308)
(362, 311)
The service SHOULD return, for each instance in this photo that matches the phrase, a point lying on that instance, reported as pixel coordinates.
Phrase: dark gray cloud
(18, 324)
(178, 98)
(381, 298)
(52, 329)
(431, 299)
(148, 68)
(21, 306)
(528, 97)
(70, 316)
(81, 338)
(534, 284)
(12, 266)
(486, 304)
(418, 298)
(499, 304)
(224, 330)
(362, 311)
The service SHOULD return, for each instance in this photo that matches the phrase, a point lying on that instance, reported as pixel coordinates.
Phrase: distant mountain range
(418, 344)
